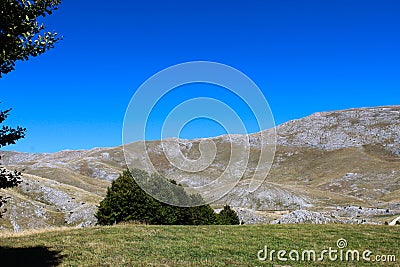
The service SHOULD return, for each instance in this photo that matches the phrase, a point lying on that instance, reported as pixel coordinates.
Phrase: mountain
(339, 166)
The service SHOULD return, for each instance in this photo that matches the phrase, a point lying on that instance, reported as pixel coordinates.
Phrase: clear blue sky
(306, 56)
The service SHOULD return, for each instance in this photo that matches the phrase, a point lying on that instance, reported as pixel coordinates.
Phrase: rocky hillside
(343, 129)
(341, 166)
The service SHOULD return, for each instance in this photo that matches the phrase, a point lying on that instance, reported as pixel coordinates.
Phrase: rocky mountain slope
(341, 166)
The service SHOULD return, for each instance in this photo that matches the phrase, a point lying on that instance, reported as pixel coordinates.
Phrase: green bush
(127, 201)
(228, 216)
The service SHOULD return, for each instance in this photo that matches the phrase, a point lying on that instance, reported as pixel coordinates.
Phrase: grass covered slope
(143, 245)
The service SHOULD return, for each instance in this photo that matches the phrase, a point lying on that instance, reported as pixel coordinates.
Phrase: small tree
(228, 216)
(8, 136)
(21, 35)
(127, 201)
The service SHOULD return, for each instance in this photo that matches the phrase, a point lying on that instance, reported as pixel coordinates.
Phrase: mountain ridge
(323, 163)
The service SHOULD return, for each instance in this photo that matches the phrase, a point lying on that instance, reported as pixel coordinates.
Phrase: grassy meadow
(146, 245)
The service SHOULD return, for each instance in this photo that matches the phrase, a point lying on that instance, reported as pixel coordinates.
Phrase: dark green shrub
(228, 216)
(127, 201)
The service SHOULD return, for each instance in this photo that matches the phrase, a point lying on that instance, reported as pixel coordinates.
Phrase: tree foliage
(21, 34)
(127, 201)
(8, 136)
(228, 216)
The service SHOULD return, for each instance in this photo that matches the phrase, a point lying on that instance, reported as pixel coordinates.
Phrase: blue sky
(305, 56)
